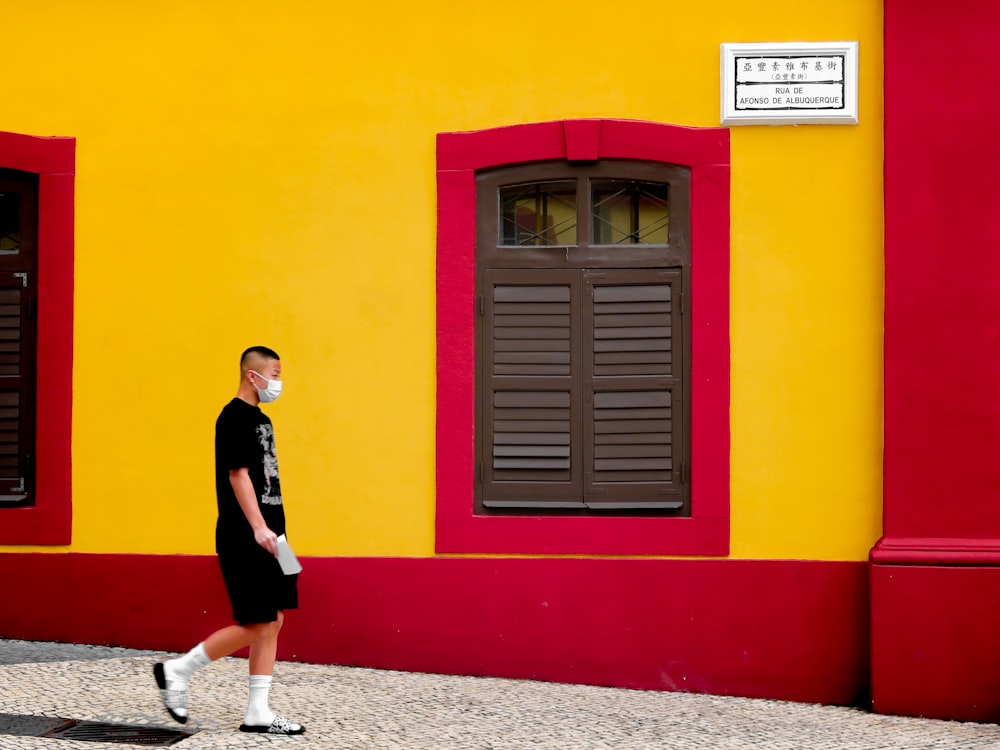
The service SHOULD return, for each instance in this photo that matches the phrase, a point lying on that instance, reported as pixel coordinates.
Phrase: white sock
(178, 671)
(258, 712)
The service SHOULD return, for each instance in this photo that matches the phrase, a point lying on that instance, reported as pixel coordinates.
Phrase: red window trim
(459, 155)
(49, 520)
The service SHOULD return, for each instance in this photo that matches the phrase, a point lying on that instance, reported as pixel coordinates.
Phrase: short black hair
(262, 351)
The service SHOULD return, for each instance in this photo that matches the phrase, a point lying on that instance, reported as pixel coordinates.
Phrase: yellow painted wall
(235, 161)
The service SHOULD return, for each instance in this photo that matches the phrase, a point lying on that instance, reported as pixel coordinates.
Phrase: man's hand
(266, 539)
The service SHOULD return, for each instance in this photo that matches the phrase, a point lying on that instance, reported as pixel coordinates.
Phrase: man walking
(251, 517)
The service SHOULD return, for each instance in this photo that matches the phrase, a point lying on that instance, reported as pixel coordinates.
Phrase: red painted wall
(786, 630)
(934, 593)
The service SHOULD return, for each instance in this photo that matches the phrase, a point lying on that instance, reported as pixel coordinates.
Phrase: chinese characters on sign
(797, 82)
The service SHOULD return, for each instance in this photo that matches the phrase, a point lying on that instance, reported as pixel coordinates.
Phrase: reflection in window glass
(10, 223)
(538, 214)
(629, 212)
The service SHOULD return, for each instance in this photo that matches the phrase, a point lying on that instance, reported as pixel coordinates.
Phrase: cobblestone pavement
(354, 708)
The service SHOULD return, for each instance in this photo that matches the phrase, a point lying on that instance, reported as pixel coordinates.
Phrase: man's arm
(247, 498)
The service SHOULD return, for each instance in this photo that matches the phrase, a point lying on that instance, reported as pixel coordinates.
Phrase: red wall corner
(934, 642)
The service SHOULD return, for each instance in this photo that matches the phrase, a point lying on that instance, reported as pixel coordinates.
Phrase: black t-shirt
(244, 439)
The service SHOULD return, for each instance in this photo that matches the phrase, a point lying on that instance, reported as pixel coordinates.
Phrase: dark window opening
(18, 232)
(626, 212)
(10, 223)
(541, 213)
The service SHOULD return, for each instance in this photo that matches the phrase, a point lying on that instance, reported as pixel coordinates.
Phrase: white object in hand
(290, 564)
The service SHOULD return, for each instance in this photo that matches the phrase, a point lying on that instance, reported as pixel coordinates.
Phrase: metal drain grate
(93, 731)
(20, 725)
(89, 731)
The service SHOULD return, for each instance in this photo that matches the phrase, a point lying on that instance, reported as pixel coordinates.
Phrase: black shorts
(256, 586)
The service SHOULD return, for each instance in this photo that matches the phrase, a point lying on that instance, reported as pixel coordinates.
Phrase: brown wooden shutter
(531, 392)
(16, 386)
(634, 403)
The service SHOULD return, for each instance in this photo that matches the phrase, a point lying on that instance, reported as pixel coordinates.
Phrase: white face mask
(271, 392)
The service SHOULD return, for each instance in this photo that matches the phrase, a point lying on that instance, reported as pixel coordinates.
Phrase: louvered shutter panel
(634, 403)
(16, 380)
(531, 406)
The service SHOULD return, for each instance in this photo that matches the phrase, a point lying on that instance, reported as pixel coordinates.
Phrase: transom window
(582, 341)
(628, 212)
(622, 212)
(538, 213)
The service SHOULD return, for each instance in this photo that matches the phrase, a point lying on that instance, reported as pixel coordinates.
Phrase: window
(18, 263)
(581, 206)
(581, 338)
(36, 338)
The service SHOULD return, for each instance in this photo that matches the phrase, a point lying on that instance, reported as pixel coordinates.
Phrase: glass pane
(538, 214)
(10, 223)
(628, 212)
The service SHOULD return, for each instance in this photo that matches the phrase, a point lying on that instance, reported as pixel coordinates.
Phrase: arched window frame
(705, 151)
(49, 520)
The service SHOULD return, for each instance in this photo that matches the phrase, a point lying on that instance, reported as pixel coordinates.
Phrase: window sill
(551, 535)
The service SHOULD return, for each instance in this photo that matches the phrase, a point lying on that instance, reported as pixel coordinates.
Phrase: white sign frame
(824, 74)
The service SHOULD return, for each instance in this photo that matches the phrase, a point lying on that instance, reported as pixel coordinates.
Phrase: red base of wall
(935, 650)
(786, 630)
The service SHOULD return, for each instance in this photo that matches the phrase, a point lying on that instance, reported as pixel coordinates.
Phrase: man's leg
(259, 716)
(264, 650)
(234, 637)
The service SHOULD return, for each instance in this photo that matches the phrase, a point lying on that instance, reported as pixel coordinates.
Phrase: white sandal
(175, 701)
(280, 725)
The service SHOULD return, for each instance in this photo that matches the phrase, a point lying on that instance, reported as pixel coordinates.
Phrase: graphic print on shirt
(272, 485)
